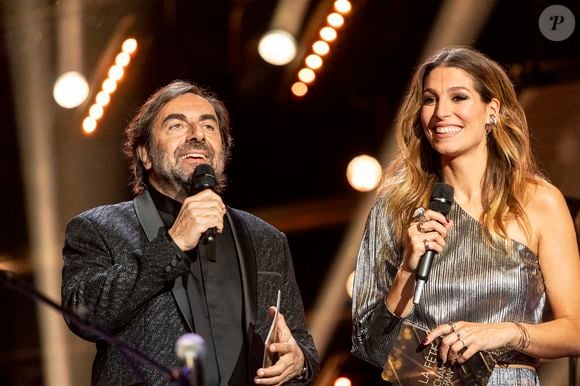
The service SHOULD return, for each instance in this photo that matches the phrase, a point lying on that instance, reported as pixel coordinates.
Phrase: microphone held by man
(204, 178)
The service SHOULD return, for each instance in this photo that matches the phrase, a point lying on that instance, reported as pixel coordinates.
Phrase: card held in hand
(411, 363)
(271, 358)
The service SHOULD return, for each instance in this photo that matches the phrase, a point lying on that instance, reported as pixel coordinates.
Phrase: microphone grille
(190, 346)
(203, 178)
(442, 198)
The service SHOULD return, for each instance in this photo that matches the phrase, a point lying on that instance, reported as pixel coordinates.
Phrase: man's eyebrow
(205, 117)
(180, 117)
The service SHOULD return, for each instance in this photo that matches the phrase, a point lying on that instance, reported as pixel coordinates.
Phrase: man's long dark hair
(138, 132)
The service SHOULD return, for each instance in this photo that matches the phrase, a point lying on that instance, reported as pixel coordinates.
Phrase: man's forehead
(188, 104)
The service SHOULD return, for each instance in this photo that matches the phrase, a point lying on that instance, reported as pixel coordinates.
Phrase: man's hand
(198, 213)
(291, 361)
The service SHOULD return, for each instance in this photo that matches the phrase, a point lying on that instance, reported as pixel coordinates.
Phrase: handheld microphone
(204, 178)
(190, 348)
(441, 201)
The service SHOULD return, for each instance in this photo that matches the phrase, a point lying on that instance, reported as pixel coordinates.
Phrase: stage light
(342, 381)
(320, 48)
(328, 34)
(335, 20)
(109, 85)
(299, 89)
(103, 98)
(277, 47)
(306, 75)
(342, 6)
(364, 173)
(313, 61)
(122, 59)
(70, 90)
(89, 125)
(129, 46)
(349, 284)
(96, 112)
(116, 72)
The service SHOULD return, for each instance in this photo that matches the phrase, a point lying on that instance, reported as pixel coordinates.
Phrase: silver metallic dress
(469, 281)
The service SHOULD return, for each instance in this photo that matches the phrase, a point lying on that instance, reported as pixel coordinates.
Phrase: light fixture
(277, 47)
(70, 90)
(364, 173)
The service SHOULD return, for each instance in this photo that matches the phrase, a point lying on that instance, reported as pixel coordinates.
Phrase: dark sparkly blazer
(122, 268)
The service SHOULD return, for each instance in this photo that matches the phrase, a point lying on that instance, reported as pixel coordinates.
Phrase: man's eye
(209, 127)
(175, 126)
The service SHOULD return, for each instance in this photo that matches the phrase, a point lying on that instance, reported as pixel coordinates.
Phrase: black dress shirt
(215, 295)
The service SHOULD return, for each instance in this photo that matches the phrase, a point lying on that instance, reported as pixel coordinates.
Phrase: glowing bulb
(299, 89)
(70, 90)
(349, 284)
(109, 85)
(103, 98)
(313, 61)
(277, 47)
(364, 173)
(321, 48)
(335, 20)
(306, 75)
(122, 59)
(129, 46)
(342, 6)
(342, 381)
(96, 112)
(89, 125)
(116, 72)
(328, 34)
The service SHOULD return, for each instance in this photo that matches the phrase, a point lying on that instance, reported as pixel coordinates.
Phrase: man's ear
(144, 156)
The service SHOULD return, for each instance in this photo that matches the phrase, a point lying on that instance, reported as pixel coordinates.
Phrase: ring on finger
(452, 325)
(419, 214)
(420, 225)
(460, 339)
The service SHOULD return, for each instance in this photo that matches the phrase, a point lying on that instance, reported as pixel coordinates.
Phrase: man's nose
(195, 133)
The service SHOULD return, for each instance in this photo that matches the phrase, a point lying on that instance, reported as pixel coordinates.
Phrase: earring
(491, 124)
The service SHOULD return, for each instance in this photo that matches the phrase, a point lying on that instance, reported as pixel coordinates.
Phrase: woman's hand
(461, 340)
(426, 232)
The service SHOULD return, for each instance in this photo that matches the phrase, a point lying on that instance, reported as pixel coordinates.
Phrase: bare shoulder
(545, 200)
(549, 215)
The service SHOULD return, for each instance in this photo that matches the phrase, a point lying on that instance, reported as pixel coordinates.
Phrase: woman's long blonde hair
(411, 176)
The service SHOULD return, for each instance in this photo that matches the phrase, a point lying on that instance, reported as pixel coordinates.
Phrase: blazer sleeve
(293, 311)
(374, 327)
(110, 269)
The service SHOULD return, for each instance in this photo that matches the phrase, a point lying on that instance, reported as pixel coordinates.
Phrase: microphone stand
(9, 280)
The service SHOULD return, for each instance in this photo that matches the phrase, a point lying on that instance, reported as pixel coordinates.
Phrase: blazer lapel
(248, 268)
(151, 222)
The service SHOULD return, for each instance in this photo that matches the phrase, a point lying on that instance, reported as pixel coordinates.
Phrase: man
(142, 271)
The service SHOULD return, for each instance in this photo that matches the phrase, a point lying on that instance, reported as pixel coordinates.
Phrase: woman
(506, 251)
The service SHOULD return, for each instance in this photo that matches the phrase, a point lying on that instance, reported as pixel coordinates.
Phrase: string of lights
(321, 48)
(109, 86)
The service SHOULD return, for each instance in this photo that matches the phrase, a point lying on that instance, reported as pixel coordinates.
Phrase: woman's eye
(428, 99)
(459, 97)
